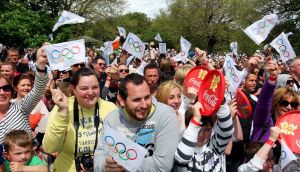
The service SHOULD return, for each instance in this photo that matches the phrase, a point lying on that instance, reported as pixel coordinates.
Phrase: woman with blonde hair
(170, 93)
(181, 73)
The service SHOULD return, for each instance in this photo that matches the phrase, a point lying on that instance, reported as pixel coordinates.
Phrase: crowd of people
(52, 120)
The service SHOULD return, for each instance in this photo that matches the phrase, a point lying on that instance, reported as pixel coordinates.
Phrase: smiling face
(138, 102)
(5, 95)
(19, 154)
(174, 99)
(286, 104)
(23, 88)
(87, 91)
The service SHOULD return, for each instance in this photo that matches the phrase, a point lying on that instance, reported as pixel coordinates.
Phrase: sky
(149, 7)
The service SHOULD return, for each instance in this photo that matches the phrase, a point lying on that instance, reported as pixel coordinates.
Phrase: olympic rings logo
(263, 26)
(120, 149)
(233, 75)
(62, 19)
(107, 47)
(135, 45)
(282, 48)
(65, 53)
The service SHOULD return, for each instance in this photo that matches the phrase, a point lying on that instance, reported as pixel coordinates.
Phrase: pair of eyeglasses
(288, 82)
(79, 64)
(101, 64)
(285, 103)
(63, 72)
(124, 70)
(6, 88)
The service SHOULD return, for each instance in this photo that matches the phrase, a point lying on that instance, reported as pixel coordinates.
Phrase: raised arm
(27, 104)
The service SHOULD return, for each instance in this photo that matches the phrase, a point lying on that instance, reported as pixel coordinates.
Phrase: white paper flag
(234, 48)
(260, 30)
(63, 55)
(124, 151)
(162, 48)
(283, 47)
(185, 45)
(122, 31)
(68, 18)
(158, 38)
(232, 73)
(108, 48)
(286, 155)
(128, 61)
(133, 45)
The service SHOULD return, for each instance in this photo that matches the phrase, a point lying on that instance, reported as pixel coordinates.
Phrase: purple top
(262, 119)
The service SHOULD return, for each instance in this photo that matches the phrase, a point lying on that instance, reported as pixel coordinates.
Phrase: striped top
(209, 157)
(17, 116)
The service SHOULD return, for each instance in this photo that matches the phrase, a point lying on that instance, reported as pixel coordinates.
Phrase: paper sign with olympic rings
(68, 18)
(162, 48)
(260, 30)
(123, 150)
(283, 47)
(122, 31)
(133, 45)
(108, 48)
(232, 74)
(63, 55)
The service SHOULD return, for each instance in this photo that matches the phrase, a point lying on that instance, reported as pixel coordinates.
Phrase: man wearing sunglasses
(99, 66)
(76, 67)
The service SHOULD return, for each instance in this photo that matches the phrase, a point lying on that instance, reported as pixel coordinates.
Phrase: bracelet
(195, 122)
(270, 142)
(271, 78)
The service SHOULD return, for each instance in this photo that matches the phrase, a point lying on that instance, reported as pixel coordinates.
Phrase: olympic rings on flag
(62, 19)
(135, 45)
(233, 75)
(120, 148)
(263, 27)
(282, 48)
(182, 53)
(107, 47)
(65, 53)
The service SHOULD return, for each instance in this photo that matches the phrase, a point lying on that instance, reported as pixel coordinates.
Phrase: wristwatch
(40, 70)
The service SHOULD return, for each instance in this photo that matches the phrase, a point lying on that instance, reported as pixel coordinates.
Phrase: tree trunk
(211, 42)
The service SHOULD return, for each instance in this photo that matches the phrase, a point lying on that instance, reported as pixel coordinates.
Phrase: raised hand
(196, 111)
(41, 58)
(233, 107)
(59, 98)
(275, 132)
(201, 55)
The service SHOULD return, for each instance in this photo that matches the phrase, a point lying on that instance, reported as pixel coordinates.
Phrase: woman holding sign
(271, 105)
(75, 123)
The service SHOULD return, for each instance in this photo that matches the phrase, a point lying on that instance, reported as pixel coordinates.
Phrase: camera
(87, 162)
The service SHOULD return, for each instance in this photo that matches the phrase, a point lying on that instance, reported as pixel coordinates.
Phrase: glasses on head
(101, 64)
(79, 64)
(6, 88)
(124, 70)
(285, 103)
(288, 82)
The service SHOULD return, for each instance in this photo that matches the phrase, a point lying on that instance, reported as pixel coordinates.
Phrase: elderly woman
(170, 93)
(14, 116)
(75, 123)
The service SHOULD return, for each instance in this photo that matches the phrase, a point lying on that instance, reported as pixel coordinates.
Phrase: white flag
(162, 48)
(260, 30)
(68, 18)
(108, 48)
(283, 47)
(234, 48)
(133, 45)
(286, 155)
(158, 38)
(232, 73)
(185, 45)
(63, 55)
(128, 61)
(122, 31)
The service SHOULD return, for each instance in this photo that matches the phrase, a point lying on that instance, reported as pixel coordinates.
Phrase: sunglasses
(124, 70)
(81, 65)
(63, 72)
(288, 82)
(6, 88)
(101, 64)
(285, 103)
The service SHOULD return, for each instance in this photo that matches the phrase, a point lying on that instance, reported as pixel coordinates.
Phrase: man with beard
(152, 76)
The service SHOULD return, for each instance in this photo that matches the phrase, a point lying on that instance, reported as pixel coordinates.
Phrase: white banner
(133, 45)
(286, 155)
(108, 48)
(162, 48)
(283, 47)
(63, 55)
(124, 151)
(232, 74)
(122, 31)
(128, 61)
(234, 48)
(158, 38)
(260, 30)
(68, 18)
